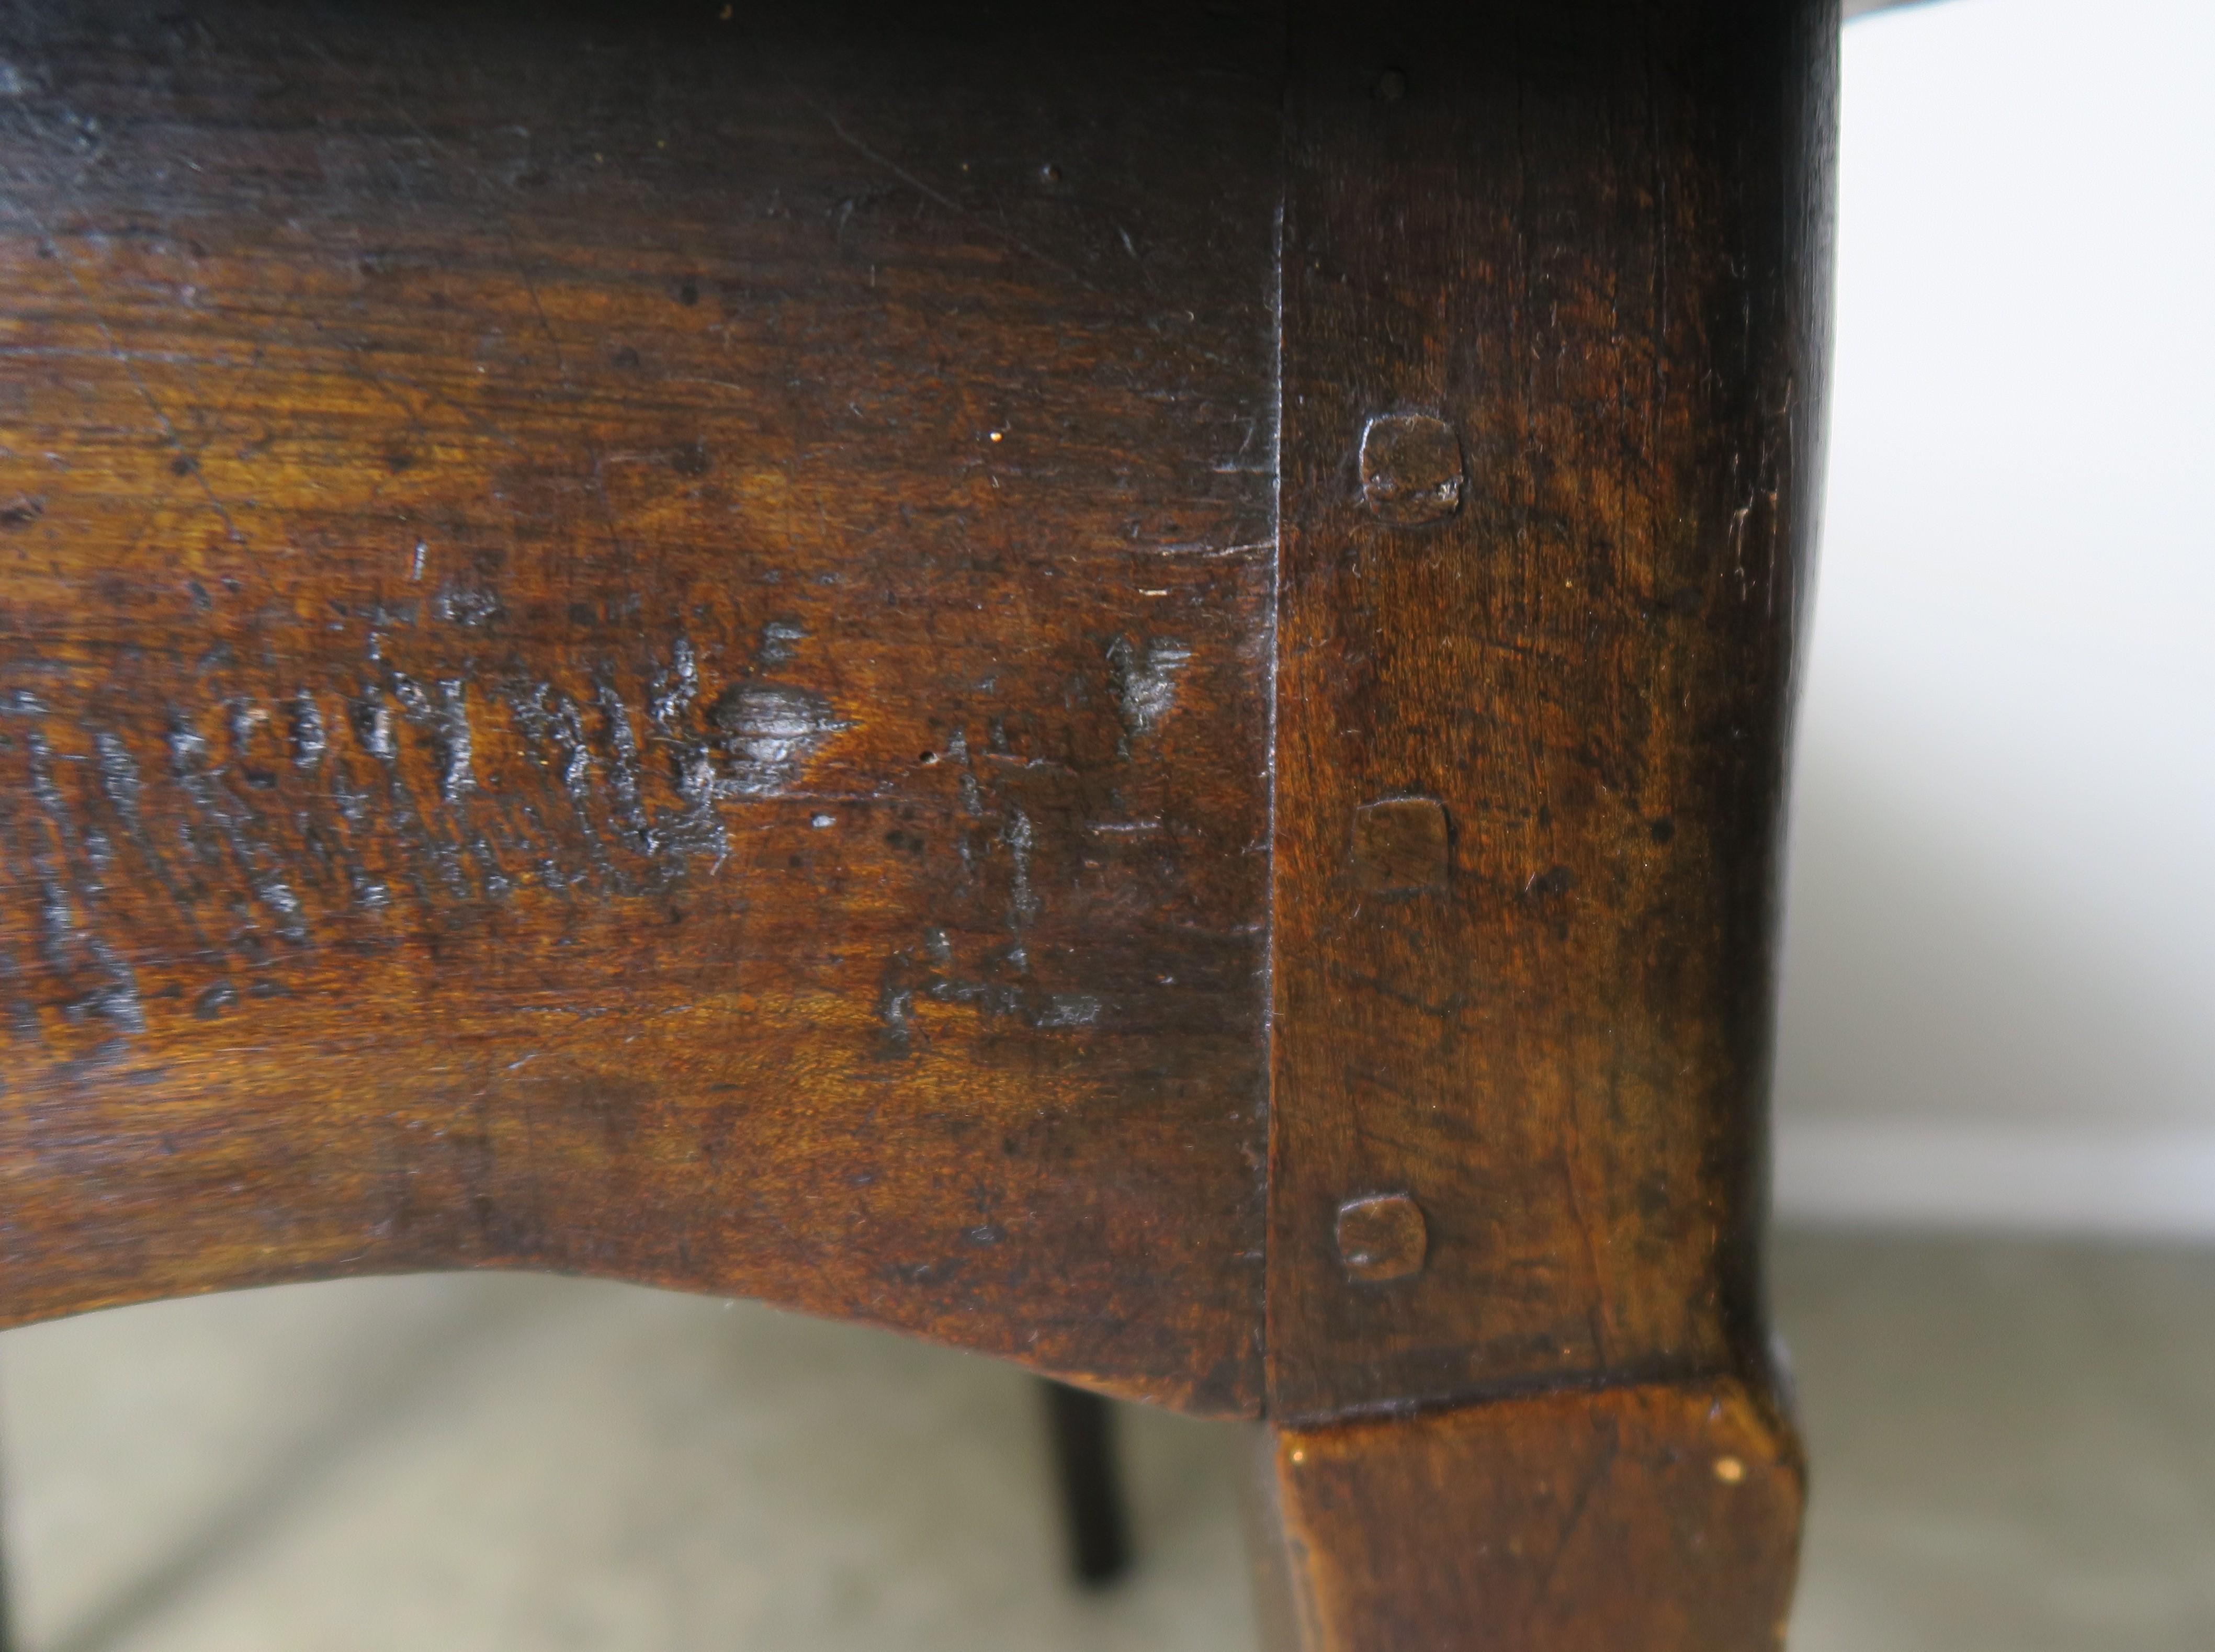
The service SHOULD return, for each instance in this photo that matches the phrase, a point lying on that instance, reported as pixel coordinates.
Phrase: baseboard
(2124, 1183)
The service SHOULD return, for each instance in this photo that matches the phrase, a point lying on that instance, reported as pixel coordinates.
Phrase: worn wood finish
(1663, 1518)
(1555, 334)
(638, 644)
(943, 668)
(1555, 328)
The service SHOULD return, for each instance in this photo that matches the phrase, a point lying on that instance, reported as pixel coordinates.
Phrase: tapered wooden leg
(1658, 1518)
(1083, 1425)
(1553, 343)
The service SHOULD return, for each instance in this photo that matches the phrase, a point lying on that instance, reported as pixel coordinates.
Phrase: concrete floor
(2016, 1452)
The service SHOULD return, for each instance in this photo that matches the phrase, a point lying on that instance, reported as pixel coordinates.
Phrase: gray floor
(2016, 1450)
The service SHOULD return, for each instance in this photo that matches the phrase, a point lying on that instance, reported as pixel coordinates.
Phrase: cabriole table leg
(1555, 329)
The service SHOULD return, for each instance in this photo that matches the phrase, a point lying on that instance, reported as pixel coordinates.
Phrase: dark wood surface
(1554, 335)
(1659, 1517)
(956, 670)
(638, 644)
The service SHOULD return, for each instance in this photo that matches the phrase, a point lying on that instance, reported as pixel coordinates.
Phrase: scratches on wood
(570, 694)
(1544, 305)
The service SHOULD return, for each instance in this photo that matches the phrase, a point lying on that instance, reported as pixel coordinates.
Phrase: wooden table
(1110, 685)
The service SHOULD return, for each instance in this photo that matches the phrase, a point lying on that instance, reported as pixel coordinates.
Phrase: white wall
(1999, 997)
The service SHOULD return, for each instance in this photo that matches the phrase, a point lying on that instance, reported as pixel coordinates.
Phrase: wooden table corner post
(636, 644)
(1555, 325)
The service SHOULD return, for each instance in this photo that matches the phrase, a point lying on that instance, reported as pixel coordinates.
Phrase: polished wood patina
(1112, 688)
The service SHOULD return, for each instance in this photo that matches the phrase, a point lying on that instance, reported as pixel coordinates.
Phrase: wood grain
(1661, 1517)
(1575, 256)
(638, 644)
